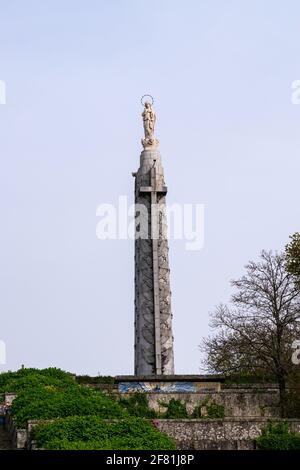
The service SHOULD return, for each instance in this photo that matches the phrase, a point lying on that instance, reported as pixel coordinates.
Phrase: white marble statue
(149, 119)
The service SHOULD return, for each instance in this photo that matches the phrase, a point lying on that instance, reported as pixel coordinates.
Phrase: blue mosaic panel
(163, 387)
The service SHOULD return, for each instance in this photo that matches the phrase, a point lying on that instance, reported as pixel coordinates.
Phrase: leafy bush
(101, 379)
(23, 379)
(175, 409)
(208, 409)
(137, 405)
(92, 433)
(53, 393)
(46, 403)
(278, 437)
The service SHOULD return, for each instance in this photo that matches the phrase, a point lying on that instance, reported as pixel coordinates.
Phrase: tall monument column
(153, 317)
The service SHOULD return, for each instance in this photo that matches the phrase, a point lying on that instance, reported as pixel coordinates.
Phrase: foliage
(278, 437)
(292, 252)
(23, 379)
(52, 393)
(209, 409)
(76, 414)
(101, 379)
(137, 405)
(175, 409)
(254, 334)
(44, 403)
(91, 433)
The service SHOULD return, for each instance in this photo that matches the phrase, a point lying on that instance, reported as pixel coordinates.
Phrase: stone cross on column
(155, 190)
(153, 317)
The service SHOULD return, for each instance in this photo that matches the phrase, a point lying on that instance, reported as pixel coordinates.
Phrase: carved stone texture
(153, 317)
(149, 120)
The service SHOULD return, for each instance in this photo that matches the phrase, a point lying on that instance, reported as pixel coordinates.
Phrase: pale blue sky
(221, 74)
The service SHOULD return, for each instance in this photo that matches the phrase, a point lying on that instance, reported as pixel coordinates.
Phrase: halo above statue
(143, 100)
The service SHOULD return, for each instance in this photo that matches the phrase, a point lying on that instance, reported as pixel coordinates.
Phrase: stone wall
(201, 434)
(217, 434)
(247, 409)
(238, 402)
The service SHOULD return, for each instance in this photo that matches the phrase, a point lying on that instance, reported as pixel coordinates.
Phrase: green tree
(292, 252)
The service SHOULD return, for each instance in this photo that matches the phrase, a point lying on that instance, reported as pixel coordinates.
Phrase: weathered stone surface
(237, 403)
(153, 317)
(217, 434)
(9, 398)
(201, 434)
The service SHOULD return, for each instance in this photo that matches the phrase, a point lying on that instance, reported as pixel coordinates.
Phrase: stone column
(153, 317)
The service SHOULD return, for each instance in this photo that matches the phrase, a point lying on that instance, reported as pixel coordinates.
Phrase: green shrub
(278, 437)
(208, 409)
(15, 382)
(47, 402)
(137, 405)
(175, 409)
(101, 379)
(92, 433)
(53, 393)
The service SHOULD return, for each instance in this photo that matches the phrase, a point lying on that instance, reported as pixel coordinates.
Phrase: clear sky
(221, 74)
